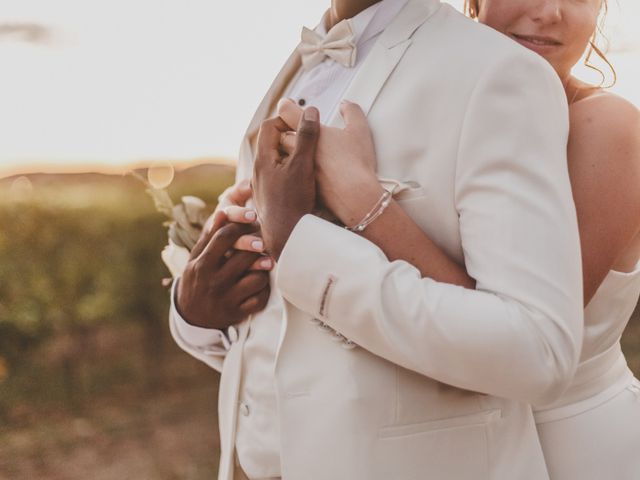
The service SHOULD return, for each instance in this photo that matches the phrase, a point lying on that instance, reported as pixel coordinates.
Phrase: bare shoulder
(604, 116)
(605, 129)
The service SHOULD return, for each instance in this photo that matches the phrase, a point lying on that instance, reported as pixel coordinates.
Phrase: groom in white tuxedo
(355, 367)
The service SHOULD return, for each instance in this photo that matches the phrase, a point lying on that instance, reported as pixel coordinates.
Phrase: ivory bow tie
(337, 45)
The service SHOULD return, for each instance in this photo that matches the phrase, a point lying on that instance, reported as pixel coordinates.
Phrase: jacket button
(244, 409)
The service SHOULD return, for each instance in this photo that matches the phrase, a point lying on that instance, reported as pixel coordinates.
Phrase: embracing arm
(346, 158)
(604, 167)
(518, 335)
(413, 246)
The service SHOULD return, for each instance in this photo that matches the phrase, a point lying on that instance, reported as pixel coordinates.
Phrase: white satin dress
(593, 431)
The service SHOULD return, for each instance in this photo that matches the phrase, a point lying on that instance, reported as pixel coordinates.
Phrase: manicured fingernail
(257, 245)
(250, 215)
(266, 263)
(311, 114)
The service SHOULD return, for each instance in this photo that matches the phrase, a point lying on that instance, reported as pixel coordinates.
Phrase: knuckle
(307, 131)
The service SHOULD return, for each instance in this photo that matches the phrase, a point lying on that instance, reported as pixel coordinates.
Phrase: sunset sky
(109, 82)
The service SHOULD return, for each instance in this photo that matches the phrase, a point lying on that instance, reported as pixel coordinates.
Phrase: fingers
(212, 225)
(354, 118)
(223, 240)
(288, 142)
(263, 263)
(256, 303)
(237, 194)
(268, 144)
(238, 214)
(249, 243)
(248, 285)
(289, 112)
(236, 266)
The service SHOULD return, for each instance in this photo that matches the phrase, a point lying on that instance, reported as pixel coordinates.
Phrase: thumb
(307, 135)
(354, 118)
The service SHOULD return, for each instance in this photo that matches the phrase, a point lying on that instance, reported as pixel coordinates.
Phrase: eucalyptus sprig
(186, 219)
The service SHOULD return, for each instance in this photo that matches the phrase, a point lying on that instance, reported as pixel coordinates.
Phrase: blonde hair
(472, 9)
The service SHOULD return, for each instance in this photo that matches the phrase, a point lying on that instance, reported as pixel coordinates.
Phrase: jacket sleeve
(518, 335)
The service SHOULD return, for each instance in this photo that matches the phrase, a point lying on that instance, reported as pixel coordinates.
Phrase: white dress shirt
(257, 436)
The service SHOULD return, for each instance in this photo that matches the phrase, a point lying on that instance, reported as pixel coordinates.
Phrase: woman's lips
(537, 43)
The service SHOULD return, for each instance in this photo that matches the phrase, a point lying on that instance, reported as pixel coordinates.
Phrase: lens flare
(160, 174)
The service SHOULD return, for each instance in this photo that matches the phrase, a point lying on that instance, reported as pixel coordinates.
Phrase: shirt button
(244, 409)
(302, 102)
(232, 334)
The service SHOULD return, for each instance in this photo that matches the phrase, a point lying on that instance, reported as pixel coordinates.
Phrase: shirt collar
(369, 22)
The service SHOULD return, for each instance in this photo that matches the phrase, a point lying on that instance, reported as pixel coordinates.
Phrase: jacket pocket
(452, 448)
(480, 418)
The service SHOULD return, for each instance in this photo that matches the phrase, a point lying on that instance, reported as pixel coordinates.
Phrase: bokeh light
(160, 174)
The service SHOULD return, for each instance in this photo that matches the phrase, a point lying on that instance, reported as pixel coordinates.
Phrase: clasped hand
(345, 162)
(299, 166)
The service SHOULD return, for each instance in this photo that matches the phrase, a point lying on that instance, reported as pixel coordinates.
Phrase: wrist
(360, 201)
(286, 229)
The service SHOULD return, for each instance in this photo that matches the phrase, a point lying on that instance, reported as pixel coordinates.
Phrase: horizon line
(44, 168)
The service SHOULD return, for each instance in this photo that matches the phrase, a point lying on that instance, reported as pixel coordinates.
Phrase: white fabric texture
(593, 430)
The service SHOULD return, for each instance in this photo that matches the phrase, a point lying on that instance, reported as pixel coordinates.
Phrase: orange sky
(106, 83)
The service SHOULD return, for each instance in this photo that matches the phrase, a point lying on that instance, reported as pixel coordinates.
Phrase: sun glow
(98, 85)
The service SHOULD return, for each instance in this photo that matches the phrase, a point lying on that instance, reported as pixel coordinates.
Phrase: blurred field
(91, 384)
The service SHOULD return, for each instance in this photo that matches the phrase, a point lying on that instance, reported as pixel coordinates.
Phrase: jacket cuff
(317, 254)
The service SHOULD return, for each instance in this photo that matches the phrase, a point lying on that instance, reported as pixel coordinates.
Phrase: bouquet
(185, 222)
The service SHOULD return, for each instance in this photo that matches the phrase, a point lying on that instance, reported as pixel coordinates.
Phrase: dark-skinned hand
(221, 286)
(284, 188)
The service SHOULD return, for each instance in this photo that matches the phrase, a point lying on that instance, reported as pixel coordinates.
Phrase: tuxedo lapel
(385, 55)
(370, 79)
(275, 92)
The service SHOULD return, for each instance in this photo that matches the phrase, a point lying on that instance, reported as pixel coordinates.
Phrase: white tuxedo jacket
(478, 126)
